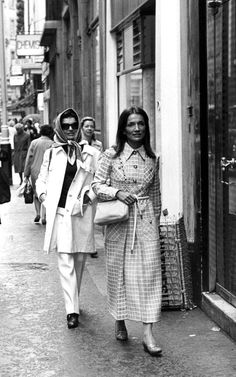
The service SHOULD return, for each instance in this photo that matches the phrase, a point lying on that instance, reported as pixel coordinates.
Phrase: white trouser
(71, 267)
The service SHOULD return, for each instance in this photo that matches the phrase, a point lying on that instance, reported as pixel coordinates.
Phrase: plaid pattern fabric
(134, 283)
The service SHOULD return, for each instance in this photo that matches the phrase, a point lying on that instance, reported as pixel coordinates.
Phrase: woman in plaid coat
(130, 173)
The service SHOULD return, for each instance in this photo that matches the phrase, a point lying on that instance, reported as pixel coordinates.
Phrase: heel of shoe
(152, 349)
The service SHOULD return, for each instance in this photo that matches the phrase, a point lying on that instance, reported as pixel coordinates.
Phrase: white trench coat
(78, 228)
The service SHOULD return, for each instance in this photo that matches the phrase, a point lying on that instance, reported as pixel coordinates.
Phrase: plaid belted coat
(133, 279)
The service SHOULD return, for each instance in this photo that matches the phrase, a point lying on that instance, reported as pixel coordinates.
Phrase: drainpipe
(3, 67)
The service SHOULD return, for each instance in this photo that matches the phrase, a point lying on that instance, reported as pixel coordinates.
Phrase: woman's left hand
(126, 197)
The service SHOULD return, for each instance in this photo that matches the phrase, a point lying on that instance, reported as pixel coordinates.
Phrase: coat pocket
(79, 208)
(149, 229)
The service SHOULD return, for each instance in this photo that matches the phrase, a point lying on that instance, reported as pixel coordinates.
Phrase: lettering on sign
(28, 45)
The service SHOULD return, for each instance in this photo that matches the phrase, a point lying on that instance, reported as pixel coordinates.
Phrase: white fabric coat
(50, 182)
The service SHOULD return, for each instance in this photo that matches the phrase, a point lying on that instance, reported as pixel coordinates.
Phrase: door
(221, 49)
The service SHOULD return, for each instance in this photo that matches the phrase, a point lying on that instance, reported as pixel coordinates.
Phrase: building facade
(25, 64)
(9, 34)
(175, 58)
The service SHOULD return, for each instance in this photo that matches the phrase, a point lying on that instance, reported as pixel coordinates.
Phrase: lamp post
(3, 67)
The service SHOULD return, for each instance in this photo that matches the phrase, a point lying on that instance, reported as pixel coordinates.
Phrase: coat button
(135, 166)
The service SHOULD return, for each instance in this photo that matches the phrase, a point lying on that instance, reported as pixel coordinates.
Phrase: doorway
(221, 50)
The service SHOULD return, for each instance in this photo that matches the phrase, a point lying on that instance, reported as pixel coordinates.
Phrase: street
(36, 342)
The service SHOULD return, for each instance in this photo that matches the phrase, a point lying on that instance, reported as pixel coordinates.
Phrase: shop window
(131, 89)
(12, 29)
(97, 79)
(120, 51)
(135, 54)
(136, 44)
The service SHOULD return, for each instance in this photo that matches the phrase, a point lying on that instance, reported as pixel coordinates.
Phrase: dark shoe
(44, 222)
(37, 218)
(72, 320)
(121, 331)
(94, 255)
(152, 349)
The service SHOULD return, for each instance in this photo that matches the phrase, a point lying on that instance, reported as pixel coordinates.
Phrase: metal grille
(175, 263)
(137, 57)
(120, 51)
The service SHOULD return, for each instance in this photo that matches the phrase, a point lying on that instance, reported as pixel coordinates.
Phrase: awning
(30, 100)
(49, 32)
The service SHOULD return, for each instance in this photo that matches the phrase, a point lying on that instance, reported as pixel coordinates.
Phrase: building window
(131, 89)
(96, 78)
(11, 4)
(135, 42)
(12, 29)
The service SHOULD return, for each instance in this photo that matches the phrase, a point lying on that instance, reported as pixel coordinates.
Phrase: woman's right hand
(42, 198)
(126, 197)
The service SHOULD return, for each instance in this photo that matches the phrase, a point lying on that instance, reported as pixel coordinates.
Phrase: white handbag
(110, 212)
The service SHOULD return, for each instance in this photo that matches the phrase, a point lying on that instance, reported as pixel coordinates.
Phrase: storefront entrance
(221, 50)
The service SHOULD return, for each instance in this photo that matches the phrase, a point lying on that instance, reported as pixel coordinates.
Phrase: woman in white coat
(64, 186)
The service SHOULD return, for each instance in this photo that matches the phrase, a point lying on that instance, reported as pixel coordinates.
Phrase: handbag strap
(83, 192)
(137, 210)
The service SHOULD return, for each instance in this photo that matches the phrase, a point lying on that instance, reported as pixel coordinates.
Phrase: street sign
(28, 45)
(17, 80)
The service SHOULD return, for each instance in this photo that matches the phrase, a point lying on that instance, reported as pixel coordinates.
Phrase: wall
(190, 112)
(169, 99)
(122, 8)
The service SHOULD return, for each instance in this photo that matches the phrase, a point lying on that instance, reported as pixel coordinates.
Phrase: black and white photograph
(117, 188)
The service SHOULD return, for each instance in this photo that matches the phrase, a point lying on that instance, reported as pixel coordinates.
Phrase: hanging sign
(28, 45)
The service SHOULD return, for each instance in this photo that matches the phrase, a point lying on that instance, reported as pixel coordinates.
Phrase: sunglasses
(66, 126)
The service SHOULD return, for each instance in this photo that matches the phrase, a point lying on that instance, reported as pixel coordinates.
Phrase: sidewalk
(36, 343)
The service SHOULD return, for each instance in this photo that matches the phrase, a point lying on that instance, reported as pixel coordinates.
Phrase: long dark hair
(121, 137)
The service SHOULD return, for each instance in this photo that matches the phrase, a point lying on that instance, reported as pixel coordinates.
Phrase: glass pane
(131, 89)
(97, 91)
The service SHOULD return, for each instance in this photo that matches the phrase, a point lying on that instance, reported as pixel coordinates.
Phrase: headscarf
(60, 138)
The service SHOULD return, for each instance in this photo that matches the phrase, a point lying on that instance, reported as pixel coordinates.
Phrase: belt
(137, 210)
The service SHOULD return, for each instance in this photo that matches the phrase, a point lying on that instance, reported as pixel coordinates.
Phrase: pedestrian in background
(130, 172)
(21, 145)
(63, 185)
(87, 127)
(31, 129)
(12, 132)
(33, 164)
(5, 193)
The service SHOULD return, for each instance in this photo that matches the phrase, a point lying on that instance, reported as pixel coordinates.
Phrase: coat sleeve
(102, 176)
(96, 154)
(41, 182)
(29, 161)
(155, 192)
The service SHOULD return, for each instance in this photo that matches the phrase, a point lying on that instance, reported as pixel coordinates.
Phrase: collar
(128, 151)
(86, 148)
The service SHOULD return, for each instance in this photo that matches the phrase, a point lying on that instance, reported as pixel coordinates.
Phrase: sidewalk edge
(220, 312)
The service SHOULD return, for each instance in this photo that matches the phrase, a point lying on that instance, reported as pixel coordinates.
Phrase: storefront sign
(28, 45)
(16, 70)
(16, 80)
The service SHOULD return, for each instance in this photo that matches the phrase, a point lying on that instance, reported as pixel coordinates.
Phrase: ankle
(120, 322)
